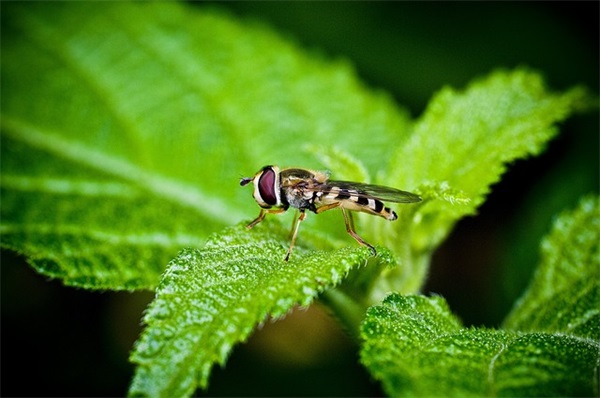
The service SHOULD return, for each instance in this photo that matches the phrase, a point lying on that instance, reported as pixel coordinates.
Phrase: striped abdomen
(355, 200)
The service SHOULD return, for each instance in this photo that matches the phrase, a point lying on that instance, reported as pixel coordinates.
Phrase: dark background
(59, 341)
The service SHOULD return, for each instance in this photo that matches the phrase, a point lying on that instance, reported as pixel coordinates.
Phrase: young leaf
(415, 346)
(210, 299)
(564, 296)
(126, 127)
(459, 148)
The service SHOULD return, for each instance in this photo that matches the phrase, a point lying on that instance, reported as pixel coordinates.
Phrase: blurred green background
(68, 342)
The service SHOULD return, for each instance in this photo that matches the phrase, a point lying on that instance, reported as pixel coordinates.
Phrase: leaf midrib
(213, 208)
(148, 238)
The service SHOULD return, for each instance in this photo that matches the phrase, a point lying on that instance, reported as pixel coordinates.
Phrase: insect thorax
(299, 198)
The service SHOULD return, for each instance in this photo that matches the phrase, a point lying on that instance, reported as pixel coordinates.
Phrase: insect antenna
(245, 181)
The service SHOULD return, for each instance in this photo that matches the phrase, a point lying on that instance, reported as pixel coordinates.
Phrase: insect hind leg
(350, 229)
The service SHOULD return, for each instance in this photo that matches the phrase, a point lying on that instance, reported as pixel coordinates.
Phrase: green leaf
(564, 296)
(160, 121)
(465, 139)
(210, 299)
(415, 347)
(126, 127)
(457, 150)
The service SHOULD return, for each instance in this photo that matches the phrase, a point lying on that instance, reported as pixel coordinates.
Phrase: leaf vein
(161, 186)
(160, 239)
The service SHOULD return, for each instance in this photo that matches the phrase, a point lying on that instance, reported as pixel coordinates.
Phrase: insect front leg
(350, 229)
(295, 228)
(258, 219)
(261, 216)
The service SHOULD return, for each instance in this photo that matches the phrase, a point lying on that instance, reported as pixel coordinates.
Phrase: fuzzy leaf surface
(564, 295)
(416, 347)
(459, 148)
(212, 298)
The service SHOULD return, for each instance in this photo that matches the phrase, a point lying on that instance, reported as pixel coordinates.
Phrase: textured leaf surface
(416, 347)
(564, 296)
(465, 139)
(126, 127)
(144, 113)
(210, 299)
(460, 146)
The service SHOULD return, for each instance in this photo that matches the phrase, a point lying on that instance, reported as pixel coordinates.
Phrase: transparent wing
(369, 191)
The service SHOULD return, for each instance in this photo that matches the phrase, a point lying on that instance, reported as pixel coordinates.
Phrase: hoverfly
(276, 190)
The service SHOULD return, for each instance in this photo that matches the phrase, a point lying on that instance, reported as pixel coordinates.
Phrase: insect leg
(295, 227)
(350, 230)
(261, 216)
(328, 207)
(351, 219)
(258, 219)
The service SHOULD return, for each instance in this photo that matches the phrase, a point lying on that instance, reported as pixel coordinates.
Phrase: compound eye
(266, 186)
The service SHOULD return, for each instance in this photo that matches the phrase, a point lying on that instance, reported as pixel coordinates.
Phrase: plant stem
(346, 309)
